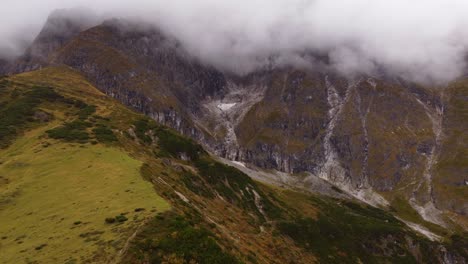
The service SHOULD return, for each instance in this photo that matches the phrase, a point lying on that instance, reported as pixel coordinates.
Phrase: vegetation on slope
(55, 196)
(346, 232)
(349, 232)
(70, 198)
(336, 232)
(170, 238)
(17, 109)
(213, 179)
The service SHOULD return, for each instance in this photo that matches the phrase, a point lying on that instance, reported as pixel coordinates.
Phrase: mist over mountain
(424, 41)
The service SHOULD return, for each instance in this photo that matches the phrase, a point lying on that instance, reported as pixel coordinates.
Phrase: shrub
(86, 111)
(175, 144)
(353, 229)
(170, 143)
(104, 134)
(40, 247)
(110, 220)
(73, 131)
(20, 110)
(141, 127)
(173, 235)
(121, 218)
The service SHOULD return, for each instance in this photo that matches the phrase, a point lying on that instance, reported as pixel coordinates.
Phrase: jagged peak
(60, 21)
(61, 25)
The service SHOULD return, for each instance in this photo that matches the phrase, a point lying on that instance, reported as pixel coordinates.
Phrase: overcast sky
(417, 39)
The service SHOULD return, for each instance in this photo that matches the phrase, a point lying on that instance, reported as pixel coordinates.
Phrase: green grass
(47, 187)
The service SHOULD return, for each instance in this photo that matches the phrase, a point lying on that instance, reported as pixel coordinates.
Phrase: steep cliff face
(366, 135)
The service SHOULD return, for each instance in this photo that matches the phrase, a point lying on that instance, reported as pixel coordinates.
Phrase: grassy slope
(47, 189)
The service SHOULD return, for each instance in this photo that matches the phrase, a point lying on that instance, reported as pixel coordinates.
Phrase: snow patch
(225, 107)
(226, 111)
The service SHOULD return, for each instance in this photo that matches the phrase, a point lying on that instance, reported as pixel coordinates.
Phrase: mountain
(322, 139)
(60, 27)
(86, 180)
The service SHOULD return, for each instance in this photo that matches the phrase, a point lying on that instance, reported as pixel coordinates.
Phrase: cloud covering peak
(420, 40)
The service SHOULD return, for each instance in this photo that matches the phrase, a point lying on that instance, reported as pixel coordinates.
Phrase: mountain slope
(375, 137)
(56, 195)
(84, 180)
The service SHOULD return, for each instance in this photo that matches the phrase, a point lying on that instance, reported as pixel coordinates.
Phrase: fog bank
(421, 40)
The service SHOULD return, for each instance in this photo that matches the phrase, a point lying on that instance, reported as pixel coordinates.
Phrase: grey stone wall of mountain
(379, 134)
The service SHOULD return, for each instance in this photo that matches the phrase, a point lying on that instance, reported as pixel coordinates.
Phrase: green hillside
(56, 194)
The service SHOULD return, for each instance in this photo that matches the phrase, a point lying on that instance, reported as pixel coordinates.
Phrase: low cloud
(420, 40)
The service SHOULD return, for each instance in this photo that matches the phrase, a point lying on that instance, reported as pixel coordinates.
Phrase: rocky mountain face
(378, 138)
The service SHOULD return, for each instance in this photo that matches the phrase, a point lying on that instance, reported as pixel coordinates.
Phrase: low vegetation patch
(19, 109)
(121, 218)
(104, 134)
(234, 186)
(170, 238)
(74, 131)
(86, 111)
(350, 231)
(170, 143)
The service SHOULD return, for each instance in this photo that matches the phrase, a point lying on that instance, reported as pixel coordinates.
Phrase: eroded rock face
(361, 134)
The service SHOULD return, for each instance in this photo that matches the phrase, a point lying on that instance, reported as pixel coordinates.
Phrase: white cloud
(417, 39)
